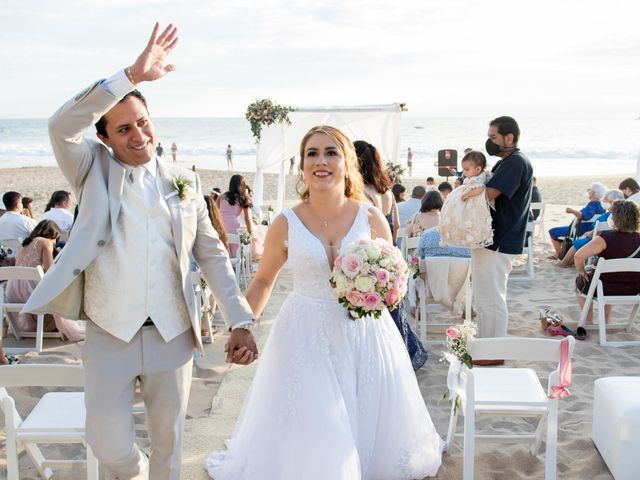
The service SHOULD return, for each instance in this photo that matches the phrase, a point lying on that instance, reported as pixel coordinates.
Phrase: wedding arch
(279, 141)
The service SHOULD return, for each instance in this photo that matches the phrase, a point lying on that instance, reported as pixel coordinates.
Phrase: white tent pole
(638, 169)
(282, 176)
(258, 182)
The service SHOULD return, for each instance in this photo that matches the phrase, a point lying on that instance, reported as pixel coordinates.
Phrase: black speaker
(447, 158)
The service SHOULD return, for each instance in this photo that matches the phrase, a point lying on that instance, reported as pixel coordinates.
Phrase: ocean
(556, 147)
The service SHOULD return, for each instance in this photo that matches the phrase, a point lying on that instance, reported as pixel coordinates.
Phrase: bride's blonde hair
(353, 184)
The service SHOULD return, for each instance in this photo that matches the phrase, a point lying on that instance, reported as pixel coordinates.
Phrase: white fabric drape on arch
(377, 124)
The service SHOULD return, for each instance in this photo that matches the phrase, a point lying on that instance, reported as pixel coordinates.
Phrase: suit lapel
(165, 178)
(116, 184)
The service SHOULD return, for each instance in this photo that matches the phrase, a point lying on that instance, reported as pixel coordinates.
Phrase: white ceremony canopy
(377, 124)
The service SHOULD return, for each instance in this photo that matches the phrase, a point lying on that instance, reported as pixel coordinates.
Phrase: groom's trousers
(163, 369)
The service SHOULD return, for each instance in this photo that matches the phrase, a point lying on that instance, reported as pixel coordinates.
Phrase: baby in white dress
(465, 216)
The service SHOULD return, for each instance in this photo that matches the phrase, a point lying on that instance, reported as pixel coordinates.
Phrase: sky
(447, 58)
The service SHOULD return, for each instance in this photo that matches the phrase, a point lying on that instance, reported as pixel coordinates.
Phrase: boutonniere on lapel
(181, 189)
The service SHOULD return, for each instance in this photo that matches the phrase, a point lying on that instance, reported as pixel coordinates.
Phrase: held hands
(152, 64)
(241, 347)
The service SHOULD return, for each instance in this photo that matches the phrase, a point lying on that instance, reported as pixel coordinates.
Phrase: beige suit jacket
(98, 179)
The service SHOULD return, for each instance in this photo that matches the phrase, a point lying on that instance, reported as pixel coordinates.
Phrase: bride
(332, 398)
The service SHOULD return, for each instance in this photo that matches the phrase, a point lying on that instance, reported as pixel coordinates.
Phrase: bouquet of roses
(370, 276)
(456, 345)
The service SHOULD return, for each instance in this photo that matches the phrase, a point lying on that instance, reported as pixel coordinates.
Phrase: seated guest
(59, 210)
(457, 182)
(398, 192)
(445, 189)
(412, 205)
(27, 207)
(607, 202)
(583, 217)
(429, 246)
(621, 242)
(428, 216)
(13, 225)
(536, 197)
(631, 189)
(215, 193)
(37, 249)
(431, 183)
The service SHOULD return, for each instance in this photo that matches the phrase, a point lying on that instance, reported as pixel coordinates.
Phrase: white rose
(365, 268)
(342, 283)
(365, 284)
(351, 248)
(385, 262)
(373, 251)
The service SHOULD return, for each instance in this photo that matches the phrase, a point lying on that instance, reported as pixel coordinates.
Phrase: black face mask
(493, 149)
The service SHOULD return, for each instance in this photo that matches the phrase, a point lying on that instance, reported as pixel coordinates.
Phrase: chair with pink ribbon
(510, 392)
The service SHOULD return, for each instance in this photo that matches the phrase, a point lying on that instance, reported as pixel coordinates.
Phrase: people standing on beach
(229, 158)
(14, 225)
(631, 190)
(126, 269)
(332, 398)
(466, 220)
(292, 164)
(159, 150)
(410, 161)
(174, 152)
(510, 188)
(233, 203)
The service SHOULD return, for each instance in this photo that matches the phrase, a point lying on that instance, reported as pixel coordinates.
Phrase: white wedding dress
(332, 398)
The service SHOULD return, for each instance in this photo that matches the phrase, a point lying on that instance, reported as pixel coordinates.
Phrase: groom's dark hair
(101, 125)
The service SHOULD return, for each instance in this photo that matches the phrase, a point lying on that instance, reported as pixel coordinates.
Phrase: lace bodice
(30, 255)
(307, 258)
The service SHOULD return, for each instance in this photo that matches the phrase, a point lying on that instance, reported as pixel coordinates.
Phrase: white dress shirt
(13, 225)
(61, 217)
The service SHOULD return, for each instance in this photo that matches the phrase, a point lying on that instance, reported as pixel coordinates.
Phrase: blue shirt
(513, 177)
(429, 246)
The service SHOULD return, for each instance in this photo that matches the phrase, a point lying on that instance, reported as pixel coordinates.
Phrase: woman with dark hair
(621, 242)
(232, 203)
(216, 219)
(27, 204)
(59, 210)
(398, 191)
(38, 249)
(377, 186)
(377, 183)
(428, 216)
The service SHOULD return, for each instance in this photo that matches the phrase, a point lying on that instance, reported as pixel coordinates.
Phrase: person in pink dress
(38, 249)
(233, 203)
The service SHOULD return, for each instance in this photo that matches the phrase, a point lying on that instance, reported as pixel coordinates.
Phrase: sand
(218, 389)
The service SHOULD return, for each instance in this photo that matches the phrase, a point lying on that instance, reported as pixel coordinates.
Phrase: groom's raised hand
(152, 63)
(241, 347)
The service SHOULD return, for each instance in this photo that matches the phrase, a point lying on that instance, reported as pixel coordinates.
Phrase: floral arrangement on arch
(395, 171)
(266, 112)
(370, 276)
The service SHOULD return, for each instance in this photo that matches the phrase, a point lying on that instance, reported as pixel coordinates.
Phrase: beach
(218, 389)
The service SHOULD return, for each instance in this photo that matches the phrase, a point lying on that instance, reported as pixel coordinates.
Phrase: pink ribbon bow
(561, 390)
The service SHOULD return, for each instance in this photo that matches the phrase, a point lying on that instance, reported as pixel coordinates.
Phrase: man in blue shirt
(510, 188)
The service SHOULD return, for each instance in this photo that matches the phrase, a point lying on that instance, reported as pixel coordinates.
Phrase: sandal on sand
(561, 330)
(581, 333)
(548, 318)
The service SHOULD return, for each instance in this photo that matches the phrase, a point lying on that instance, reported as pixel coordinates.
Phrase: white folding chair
(506, 392)
(601, 227)
(409, 246)
(11, 246)
(424, 297)
(204, 310)
(238, 261)
(529, 273)
(33, 274)
(58, 417)
(610, 266)
(540, 220)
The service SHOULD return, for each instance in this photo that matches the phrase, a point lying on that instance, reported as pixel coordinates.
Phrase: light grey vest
(137, 274)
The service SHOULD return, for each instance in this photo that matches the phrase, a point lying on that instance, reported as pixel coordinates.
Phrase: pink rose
(382, 276)
(392, 297)
(351, 265)
(415, 260)
(372, 301)
(355, 298)
(452, 332)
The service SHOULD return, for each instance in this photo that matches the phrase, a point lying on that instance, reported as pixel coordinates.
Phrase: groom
(126, 269)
